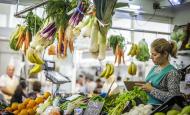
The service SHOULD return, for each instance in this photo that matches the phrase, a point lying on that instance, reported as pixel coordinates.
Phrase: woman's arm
(173, 81)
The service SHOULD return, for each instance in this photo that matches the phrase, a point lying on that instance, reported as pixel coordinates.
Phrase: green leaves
(33, 22)
(116, 39)
(122, 99)
(57, 11)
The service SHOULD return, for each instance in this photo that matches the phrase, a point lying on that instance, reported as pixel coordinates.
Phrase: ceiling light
(175, 2)
(134, 7)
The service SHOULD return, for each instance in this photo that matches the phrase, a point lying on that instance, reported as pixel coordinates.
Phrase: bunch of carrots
(65, 40)
(119, 55)
(117, 42)
(20, 39)
(25, 40)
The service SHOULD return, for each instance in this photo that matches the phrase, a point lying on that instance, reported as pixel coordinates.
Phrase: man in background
(36, 87)
(8, 83)
(99, 86)
(120, 83)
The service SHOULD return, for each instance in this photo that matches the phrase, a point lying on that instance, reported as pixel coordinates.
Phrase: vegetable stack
(120, 102)
(79, 102)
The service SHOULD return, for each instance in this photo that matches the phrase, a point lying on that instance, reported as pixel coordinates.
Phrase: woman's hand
(146, 87)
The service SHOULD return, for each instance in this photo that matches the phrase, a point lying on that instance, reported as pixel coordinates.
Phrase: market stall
(75, 43)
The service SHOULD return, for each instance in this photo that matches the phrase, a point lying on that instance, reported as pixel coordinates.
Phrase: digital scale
(54, 76)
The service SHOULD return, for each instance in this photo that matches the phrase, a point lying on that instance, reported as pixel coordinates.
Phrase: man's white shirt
(9, 83)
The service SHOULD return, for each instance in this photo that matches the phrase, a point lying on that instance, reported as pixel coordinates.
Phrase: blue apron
(155, 79)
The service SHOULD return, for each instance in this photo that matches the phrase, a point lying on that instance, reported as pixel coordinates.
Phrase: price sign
(94, 108)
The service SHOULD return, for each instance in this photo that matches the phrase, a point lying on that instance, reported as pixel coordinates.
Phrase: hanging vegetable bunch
(21, 38)
(68, 36)
(78, 14)
(143, 51)
(96, 26)
(85, 26)
(58, 11)
(56, 20)
(43, 38)
(18, 38)
(117, 42)
(33, 22)
(104, 11)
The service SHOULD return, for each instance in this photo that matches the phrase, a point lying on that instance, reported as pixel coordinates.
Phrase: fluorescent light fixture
(134, 7)
(131, 7)
(175, 2)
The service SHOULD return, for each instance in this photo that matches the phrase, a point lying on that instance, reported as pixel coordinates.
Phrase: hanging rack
(18, 14)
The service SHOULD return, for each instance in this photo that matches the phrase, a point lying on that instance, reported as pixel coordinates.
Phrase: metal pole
(132, 27)
(18, 14)
(142, 13)
(140, 30)
(17, 6)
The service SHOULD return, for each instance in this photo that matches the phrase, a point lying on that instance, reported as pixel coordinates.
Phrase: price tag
(94, 108)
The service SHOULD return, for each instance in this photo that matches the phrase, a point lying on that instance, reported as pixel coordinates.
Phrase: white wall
(6, 55)
(182, 16)
(147, 6)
